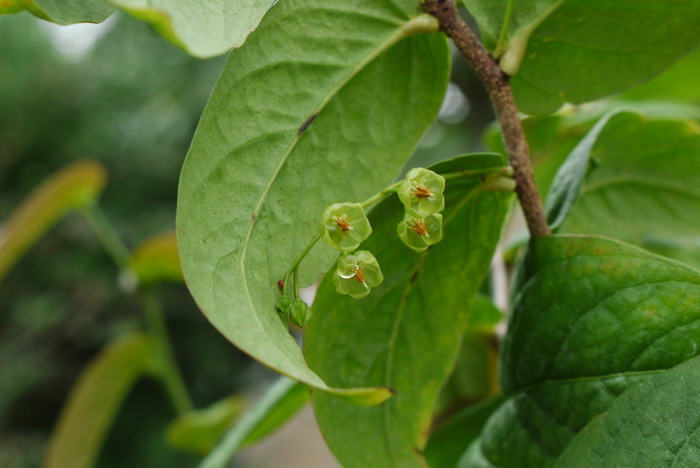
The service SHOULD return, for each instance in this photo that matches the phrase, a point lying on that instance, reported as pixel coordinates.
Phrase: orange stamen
(422, 192)
(419, 228)
(360, 275)
(343, 224)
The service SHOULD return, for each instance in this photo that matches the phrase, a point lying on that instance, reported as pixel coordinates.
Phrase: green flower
(357, 274)
(299, 312)
(345, 226)
(421, 192)
(283, 303)
(420, 233)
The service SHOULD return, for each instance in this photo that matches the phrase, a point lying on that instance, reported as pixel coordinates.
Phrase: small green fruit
(420, 233)
(299, 312)
(345, 226)
(357, 274)
(421, 192)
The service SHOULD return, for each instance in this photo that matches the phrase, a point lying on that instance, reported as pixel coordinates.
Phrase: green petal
(409, 236)
(353, 214)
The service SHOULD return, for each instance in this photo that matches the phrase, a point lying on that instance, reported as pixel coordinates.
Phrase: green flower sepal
(419, 233)
(357, 274)
(421, 192)
(299, 312)
(345, 226)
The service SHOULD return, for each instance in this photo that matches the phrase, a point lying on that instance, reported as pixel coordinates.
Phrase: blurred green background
(131, 102)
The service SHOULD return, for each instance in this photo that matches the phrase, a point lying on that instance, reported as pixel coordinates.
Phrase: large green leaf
(73, 187)
(406, 334)
(447, 442)
(652, 425)
(578, 50)
(593, 317)
(322, 104)
(203, 28)
(61, 11)
(552, 137)
(640, 185)
(95, 400)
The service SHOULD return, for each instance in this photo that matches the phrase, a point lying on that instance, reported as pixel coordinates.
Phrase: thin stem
(497, 85)
(172, 380)
(382, 195)
(107, 235)
(504, 170)
(503, 36)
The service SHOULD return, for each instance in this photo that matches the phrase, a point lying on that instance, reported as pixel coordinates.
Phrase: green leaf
(157, 259)
(198, 431)
(475, 373)
(203, 28)
(653, 424)
(280, 403)
(643, 186)
(577, 51)
(569, 178)
(447, 442)
(679, 83)
(73, 187)
(95, 400)
(423, 304)
(552, 137)
(593, 317)
(301, 117)
(62, 11)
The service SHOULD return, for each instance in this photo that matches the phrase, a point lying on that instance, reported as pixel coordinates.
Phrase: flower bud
(299, 312)
(345, 226)
(283, 302)
(420, 233)
(357, 274)
(421, 192)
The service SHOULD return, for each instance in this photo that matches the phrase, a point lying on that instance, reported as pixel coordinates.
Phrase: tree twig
(497, 85)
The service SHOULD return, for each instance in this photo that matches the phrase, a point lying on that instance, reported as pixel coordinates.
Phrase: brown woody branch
(497, 84)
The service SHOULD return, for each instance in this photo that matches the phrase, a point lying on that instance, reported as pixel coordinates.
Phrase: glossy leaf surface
(654, 424)
(594, 316)
(302, 116)
(423, 304)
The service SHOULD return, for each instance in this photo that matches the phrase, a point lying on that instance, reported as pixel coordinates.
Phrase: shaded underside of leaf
(95, 400)
(203, 28)
(652, 425)
(423, 304)
(322, 104)
(594, 317)
(73, 187)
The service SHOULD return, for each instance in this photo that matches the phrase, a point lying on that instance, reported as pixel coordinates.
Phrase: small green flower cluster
(345, 226)
(422, 195)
